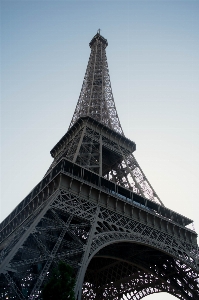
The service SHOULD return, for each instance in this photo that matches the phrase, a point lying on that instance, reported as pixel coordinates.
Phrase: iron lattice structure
(89, 147)
(96, 97)
(95, 210)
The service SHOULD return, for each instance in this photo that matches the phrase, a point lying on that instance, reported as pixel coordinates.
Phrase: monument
(96, 210)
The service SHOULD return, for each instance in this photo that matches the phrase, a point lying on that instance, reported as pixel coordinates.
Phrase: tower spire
(96, 97)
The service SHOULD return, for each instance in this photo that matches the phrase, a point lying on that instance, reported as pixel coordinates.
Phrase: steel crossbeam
(49, 261)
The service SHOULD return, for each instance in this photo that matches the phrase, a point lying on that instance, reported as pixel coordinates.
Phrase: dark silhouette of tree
(61, 284)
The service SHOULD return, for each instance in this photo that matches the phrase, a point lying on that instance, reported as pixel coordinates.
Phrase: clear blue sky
(153, 58)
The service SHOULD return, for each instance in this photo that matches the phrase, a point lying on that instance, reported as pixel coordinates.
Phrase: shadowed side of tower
(96, 210)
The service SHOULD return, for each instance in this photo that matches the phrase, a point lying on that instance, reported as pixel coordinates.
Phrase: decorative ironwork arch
(111, 274)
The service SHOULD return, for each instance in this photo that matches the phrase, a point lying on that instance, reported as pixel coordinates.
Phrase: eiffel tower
(95, 210)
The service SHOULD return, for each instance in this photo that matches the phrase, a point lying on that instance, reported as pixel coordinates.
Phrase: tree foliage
(61, 284)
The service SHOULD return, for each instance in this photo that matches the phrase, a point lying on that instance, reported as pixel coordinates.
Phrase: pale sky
(153, 57)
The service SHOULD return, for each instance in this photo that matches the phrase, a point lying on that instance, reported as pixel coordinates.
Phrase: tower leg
(84, 263)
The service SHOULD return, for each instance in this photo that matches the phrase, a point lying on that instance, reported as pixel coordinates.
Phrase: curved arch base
(132, 271)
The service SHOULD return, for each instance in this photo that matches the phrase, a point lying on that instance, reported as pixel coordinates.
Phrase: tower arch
(125, 268)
